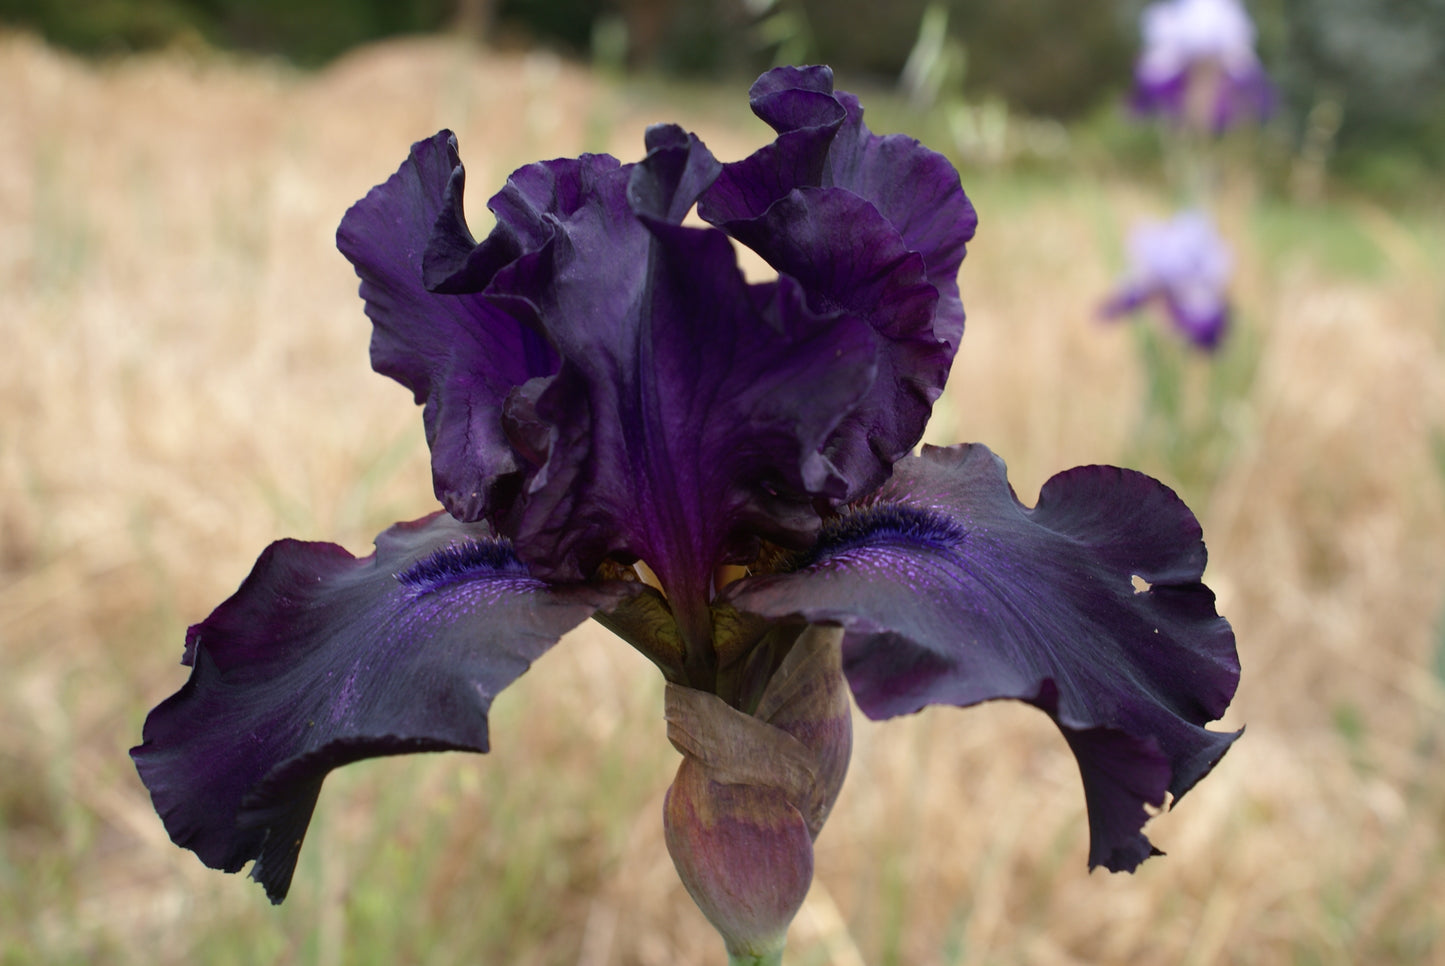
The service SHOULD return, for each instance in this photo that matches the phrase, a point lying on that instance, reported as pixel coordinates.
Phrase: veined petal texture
(690, 411)
(458, 354)
(950, 591)
(876, 226)
(321, 659)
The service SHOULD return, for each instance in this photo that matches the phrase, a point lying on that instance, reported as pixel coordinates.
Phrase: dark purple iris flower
(1183, 265)
(602, 388)
(1198, 65)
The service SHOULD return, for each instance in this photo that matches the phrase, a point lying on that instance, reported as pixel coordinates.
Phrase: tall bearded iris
(1184, 265)
(603, 390)
(1198, 65)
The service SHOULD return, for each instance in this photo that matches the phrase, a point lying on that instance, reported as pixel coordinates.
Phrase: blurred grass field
(184, 377)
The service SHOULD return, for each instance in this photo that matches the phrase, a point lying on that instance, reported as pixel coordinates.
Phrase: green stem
(767, 959)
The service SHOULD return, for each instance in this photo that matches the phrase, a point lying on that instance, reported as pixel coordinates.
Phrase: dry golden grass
(184, 378)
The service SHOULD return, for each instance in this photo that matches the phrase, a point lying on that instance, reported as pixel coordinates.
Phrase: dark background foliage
(1371, 71)
(1381, 61)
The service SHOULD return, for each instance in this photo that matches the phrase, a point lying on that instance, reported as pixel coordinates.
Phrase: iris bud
(753, 792)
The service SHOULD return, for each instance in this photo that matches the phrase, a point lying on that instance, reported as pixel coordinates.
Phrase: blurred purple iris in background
(1198, 65)
(1184, 265)
(603, 389)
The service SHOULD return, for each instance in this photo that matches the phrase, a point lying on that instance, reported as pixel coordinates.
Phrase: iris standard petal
(678, 169)
(1198, 65)
(876, 226)
(1088, 605)
(690, 412)
(847, 258)
(459, 355)
(321, 659)
(823, 142)
(526, 208)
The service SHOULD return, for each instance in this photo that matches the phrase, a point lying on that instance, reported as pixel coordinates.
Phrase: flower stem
(766, 959)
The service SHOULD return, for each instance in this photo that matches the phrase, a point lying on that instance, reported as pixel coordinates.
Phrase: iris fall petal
(321, 659)
(952, 592)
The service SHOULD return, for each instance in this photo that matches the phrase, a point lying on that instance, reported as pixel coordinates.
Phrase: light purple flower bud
(1199, 66)
(1184, 264)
